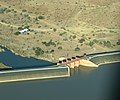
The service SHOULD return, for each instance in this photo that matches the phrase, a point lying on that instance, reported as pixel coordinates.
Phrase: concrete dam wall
(32, 74)
(105, 58)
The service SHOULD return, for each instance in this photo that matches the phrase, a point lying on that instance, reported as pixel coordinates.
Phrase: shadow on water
(18, 62)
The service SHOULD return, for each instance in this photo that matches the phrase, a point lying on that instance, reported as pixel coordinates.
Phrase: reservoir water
(18, 62)
(99, 84)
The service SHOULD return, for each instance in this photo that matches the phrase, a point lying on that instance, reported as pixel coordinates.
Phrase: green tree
(2, 10)
(107, 43)
(24, 10)
(17, 33)
(74, 36)
(38, 51)
(82, 40)
(118, 42)
(77, 49)
(54, 29)
(41, 17)
(51, 51)
(61, 34)
(49, 43)
(60, 47)
(20, 28)
(91, 43)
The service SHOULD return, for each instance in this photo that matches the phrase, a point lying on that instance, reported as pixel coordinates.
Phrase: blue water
(18, 62)
(99, 84)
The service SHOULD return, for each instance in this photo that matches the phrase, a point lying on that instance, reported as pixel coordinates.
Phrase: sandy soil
(75, 26)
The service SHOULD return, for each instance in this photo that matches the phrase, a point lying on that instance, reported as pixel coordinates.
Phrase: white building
(24, 31)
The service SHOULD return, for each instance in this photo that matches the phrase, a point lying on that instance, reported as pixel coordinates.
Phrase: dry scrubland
(60, 27)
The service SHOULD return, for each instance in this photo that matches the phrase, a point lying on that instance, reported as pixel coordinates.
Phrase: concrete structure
(77, 61)
(34, 73)
(24, 31)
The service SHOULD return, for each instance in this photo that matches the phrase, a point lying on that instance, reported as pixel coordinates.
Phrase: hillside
(60, 28)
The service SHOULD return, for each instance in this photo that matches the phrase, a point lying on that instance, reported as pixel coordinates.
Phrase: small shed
(24, 31)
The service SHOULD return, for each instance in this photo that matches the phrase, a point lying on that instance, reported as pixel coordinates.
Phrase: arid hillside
(59, 28)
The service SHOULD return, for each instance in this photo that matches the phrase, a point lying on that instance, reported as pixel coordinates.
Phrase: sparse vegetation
(61, 34)
(49, 43)
(41, 17)
(74, 36)
(107, 43)
(77, 49)
(17, 33)
(2, 10)
(91, 43)
(24, 10)
(52, 51)
(38, 51)
(54, 26)
(54, 29)
(95, 41)
(60, 48)
(118, 42)
(82, 40)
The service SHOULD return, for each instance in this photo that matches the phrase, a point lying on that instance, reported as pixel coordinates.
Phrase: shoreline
(53, 61)
(47, 76)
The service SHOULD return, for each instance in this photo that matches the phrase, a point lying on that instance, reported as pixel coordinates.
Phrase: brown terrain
(59, 28)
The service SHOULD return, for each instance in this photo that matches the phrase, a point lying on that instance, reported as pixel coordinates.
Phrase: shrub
(107, 43)
(8, 10)
(20, 28)
(118, 42)
(95, 41)
(26, 27)
(82, 40)
(41, 17)
(49, 43)
(74, 36)
(60, 48)
(65, 39)
(24, 10)
(77, 49)
(61, 34)
(17, 33)
(52, 51)
(54, 29)
(38, 51)
(2, 10)
(91, 43)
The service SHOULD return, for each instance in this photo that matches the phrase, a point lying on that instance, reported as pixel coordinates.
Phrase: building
(24, 31)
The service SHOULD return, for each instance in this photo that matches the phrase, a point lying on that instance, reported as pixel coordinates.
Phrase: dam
(24, 68)
(105, 57)
(34, 73)
(91, 60)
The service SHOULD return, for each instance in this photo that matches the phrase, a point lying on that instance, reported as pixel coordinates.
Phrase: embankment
(32, 74)
(105, 58)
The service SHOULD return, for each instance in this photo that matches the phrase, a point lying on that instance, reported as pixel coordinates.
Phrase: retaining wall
(105, 59)
(31, 74)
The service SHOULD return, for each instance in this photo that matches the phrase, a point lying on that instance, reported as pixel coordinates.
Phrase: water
(16, 62)
(99, 84)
